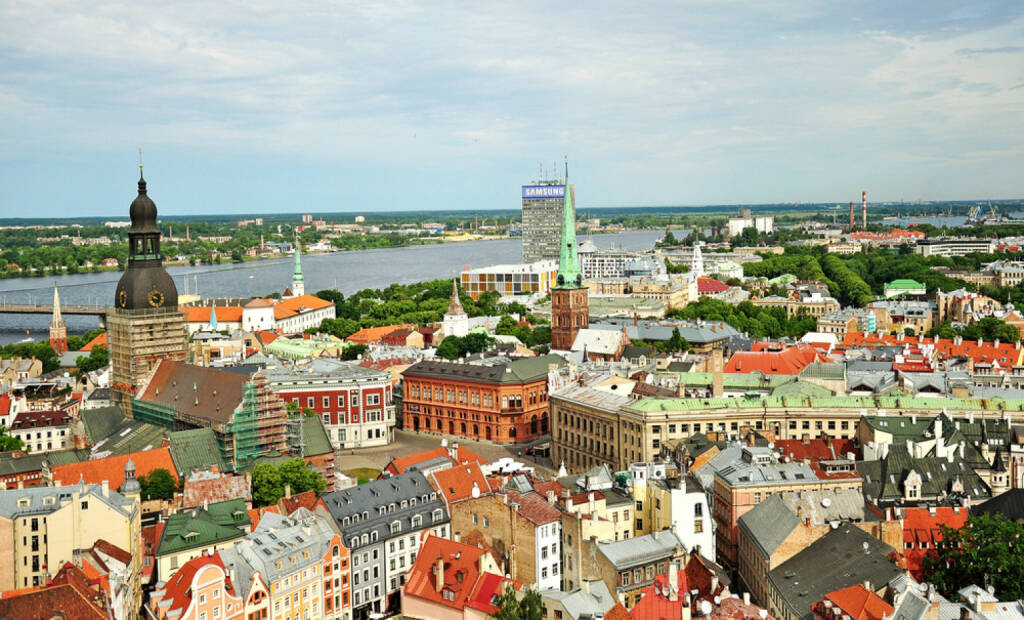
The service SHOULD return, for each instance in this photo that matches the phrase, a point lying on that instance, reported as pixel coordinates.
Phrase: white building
(762, 223)
(548, 556)
(687, 513)
(456, 321)
(356, 403)
(42, 431)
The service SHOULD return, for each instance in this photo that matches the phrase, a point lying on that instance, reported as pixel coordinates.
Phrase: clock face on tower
(122, 298)
(156, 298)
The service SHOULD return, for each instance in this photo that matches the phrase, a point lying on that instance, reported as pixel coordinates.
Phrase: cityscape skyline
(353, 108)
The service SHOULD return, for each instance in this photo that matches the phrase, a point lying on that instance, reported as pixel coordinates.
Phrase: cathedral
(145, 324)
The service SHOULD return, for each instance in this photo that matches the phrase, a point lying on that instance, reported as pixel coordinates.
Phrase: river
(347, 272)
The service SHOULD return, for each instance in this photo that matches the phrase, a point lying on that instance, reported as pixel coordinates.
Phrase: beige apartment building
(42, 527)
(591, 427)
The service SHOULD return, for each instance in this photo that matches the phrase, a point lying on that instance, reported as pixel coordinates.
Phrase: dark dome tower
(145, 324)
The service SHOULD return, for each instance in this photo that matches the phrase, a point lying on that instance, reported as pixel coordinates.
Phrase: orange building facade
(503, 403)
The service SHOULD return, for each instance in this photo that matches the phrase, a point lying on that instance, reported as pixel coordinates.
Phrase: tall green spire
(297, 276)
(569, 275)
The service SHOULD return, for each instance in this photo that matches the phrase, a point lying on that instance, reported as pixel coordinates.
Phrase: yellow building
(42, 527)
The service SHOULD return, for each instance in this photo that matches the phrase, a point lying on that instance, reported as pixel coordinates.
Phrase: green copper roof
(905, 284)
(198, 528)
(569, 274)
(656, 404)
(297, 277)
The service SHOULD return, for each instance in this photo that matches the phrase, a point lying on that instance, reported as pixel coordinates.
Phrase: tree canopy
(159, 484)
(510, 607)
(268, 481)
(453, 347)
(986, 551)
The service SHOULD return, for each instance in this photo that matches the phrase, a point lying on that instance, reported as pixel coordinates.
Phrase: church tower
(58, 331)
(145, 324)
(298, 284)
(456, 321)
(570, 308)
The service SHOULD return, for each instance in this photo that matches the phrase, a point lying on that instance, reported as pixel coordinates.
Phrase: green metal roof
(100, 423)
(798, 389)
(196, 449)
(315, 436)
(201, 527)
(569, 273)
(741, 380)
(904, 283)
(655, 404)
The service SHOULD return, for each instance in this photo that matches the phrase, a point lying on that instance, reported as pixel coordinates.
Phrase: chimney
(673, 582)
(106, 488)
(714, 584)
(867, 585)
(439, 574)
(686, 609)
(585, 585)
(458, 538)
(746, 598)
(568, 505)
(287, 490)
(590, 502)
(551, 497)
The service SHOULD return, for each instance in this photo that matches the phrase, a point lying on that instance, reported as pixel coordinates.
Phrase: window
(326, 400)
(487, 521)
(341, 401)
(698, 510)
(474, 517)
(309, 402)
(373, 399)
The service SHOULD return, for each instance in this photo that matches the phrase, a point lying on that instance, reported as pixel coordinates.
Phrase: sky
(308, 106)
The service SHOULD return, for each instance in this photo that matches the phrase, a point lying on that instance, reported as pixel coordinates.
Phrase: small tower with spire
(298, 285)
(58, 331)
(456, 321)
(570, 306)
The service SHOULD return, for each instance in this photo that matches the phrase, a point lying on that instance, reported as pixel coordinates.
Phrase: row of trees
(988, 329)
(756, 321)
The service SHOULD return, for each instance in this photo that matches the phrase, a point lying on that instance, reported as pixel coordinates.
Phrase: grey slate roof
(849, 555)
(357, 510)
(16, 503)
(577, 602)
(279, 537)
(519, 371)
(695, 332)
(883, 479)
(1010, 504)
(770, 522)
(623, 554)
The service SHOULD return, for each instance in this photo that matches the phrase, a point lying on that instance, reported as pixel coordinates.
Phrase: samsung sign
(543, 191)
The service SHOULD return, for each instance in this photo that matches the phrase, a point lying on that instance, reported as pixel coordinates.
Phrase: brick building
(495, 400)
(526, 526)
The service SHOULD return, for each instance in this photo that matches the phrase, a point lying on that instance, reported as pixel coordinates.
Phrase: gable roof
(211, 487)
(225, 314)
(858, 602)
(789, 361)
(178, 589)
(201, 527)
(599, 341)
(70, 595)
(99, 342)
(293, 306)
(462, 454)
(518, 371)
(458, 482)
(459, 576)
(196, 448)
(111, 468)
(921, 532)
(203, 392)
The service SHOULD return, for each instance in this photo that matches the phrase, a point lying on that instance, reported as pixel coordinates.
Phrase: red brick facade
(502, 412)
(570, 312)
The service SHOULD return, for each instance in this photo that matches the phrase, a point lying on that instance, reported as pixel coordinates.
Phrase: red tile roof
(371, 335)
(202, 487)
(99, 342)
(711, 285)
(817, 449)
(786, 362)
(306, 499)
(225, 314)
(1005, 355)
(461, 577)
(40, 419)
(856, 601)
(534, 508)
(656, 604)
(178, 588)
(294, 306)
(921, 532)
(457, 483)
(398, 466)
(70, 594)
(266, 337)
(111, 468)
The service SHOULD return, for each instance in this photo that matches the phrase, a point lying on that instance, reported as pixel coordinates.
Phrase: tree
(267, 488)
(512, 608)
(159, 484)
(986, 551)
(268, 481)
(7, 442)
(505, 325)
(449, 348)
(98, 358)
(676, 342)
(353, 351)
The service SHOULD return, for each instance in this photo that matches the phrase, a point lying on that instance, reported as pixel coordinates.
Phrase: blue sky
(363, 106)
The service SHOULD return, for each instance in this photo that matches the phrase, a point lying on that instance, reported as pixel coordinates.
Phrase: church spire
(569, 275)
(298, 285)
(58, 330)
